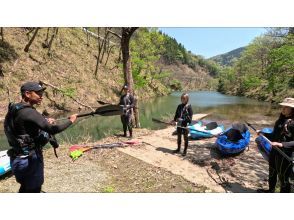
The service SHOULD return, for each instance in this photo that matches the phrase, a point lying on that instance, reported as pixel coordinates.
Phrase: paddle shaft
(79, 115)
(87, 147)
(277, 148)
(99, 111)
(159, 121)
(168, 123)
(108, 103)
(163, 122)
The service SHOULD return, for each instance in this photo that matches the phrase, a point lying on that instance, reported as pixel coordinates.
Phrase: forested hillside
(82, 65)
(227, 59)
(265, 69)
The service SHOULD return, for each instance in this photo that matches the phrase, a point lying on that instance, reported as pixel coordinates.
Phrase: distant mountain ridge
(227, 59)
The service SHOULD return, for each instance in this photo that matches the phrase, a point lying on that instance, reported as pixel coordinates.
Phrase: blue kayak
(227, 147)
(4, 163)
(263, 146)
(199, 130)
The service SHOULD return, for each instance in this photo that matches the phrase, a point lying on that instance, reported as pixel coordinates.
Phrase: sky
(209, 42)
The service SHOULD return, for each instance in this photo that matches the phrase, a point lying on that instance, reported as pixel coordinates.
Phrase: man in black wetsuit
(128, 103)
(183, 117)
(27, 132)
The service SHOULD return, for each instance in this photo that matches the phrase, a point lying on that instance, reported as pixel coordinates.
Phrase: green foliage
(174, 52)
(251, 81)
(70, 92)
(150, 49)
(228, 59)
(108, 189)
(265, 69)
(176, 85)
(146, 47)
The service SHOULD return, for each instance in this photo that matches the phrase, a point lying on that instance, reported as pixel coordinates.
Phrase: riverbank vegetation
(82, 65)
(265, 69)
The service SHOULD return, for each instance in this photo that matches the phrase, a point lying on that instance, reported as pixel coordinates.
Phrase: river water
(222, 107)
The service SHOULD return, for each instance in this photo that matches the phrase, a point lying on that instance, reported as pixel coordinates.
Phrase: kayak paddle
(277, 148)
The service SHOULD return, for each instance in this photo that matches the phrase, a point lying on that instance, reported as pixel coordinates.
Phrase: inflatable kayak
(233, 141)
(199, 130)
(263, 146)
(4, 163)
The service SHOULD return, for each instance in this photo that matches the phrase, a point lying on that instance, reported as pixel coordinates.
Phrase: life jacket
(127, 101)
(287, 132)
(185, 117)
(21, 144)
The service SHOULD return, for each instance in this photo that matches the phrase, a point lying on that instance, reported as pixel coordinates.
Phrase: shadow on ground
(7, 52)
(244, 172)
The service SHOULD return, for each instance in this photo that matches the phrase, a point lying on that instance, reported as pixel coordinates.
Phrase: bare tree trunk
(27, 47)
(108, 53)
(47, 38)
(54, 34)
(101, 49)
(98, 55)
(127, 32)
(2, 33)
(105, 40)
(30, 31)
(1, 71)
(88, 39)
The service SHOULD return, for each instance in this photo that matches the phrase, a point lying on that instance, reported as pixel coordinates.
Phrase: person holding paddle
(128, 103)
(183, 117)
(27, 132)
(283, 138)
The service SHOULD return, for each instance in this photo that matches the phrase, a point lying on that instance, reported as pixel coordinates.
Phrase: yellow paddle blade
(75, 154)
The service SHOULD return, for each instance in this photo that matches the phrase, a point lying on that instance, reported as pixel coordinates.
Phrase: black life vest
(185, 113)
(21, 142)
(14, 140)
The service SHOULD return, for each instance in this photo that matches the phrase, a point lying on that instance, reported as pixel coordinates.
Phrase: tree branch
(60, 90)
(115, 34)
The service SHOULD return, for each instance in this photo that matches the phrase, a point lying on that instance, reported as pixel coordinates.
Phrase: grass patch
(108, 189)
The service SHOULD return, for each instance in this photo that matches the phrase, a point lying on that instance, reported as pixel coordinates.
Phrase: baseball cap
(31, 86)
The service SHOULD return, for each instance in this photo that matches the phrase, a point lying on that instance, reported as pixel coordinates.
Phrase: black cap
(125, 87)
(31, 86)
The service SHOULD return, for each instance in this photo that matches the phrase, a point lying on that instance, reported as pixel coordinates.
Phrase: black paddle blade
(109, 110)
(159, 121)
(102, 103)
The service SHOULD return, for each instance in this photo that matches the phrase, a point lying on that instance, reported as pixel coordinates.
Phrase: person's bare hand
(172, 122)
(277, 144)
(51, 120)
(73, 118)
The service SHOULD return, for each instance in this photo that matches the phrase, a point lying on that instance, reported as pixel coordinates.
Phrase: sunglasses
(39, 93)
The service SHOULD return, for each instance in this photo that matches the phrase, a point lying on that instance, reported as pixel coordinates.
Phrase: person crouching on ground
(282, 137)
(27, 132)
(128, 102)
(183, 117)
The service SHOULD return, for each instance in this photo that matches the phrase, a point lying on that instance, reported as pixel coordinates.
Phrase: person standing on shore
(282, 137)
(27, 132)
(127, 101)
(183, 117)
